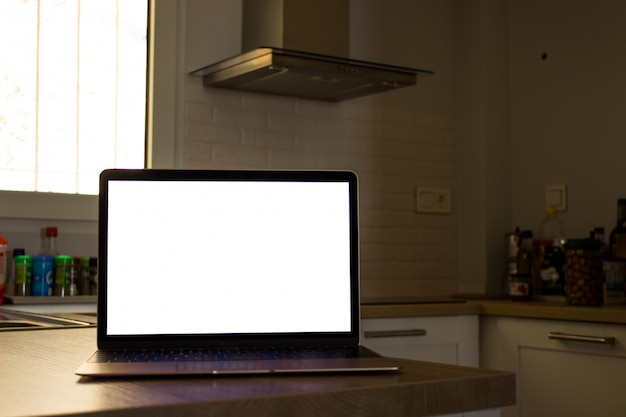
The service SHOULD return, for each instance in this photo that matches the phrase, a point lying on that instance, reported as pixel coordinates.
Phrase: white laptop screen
(190, 257)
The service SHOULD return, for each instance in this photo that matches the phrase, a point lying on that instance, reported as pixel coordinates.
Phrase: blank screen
(228, 257)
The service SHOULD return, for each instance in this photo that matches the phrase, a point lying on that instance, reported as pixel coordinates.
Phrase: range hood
(306, 57)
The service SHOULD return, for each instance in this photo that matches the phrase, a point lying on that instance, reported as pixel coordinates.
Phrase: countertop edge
(611, 314)
(422, 310)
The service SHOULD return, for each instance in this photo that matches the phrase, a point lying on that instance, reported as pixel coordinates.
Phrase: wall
(395, 141)
(568, 124)
(484, 153)
(495, 124)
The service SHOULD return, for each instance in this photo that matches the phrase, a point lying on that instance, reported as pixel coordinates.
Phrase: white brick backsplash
(198, 112)
(268, 104)
(281, 159)
(294, 124)
(392, 150)
(226, 116)
(240, 156)
(321, 143)
(276, 140)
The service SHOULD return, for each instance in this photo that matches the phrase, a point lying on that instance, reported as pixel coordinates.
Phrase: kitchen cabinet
(563, 368)
(450, 339)
(447, 339)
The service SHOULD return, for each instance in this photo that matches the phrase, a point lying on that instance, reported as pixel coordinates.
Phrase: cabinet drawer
(594, 338)
(449, 339)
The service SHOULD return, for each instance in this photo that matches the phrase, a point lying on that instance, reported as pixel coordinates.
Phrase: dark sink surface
(20, 320)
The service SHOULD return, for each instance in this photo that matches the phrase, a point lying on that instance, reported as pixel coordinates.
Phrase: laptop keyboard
(224, 354)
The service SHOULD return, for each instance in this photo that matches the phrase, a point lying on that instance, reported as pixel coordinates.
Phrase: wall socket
(433, 200)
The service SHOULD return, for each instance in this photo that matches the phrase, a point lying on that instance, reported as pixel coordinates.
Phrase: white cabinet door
(450, 339)
(563, 368)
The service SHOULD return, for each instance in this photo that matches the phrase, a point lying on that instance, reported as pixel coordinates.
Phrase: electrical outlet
(433, 200)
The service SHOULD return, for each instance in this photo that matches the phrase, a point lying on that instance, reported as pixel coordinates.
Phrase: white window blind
(72, 92)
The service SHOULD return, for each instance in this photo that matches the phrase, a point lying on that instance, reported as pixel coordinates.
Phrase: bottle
(89, 273)
(42, 276)
(93, 275)
(3, 266)
(597, 233)
(617, 240)
(525, 253)
(510, 261)
(49, 242)
(550, 255)
(10, 287)
(520, 284)
(552, 228)
(75, 276)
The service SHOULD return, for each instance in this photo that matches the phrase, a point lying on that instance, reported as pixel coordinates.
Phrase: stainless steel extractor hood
(304, 60)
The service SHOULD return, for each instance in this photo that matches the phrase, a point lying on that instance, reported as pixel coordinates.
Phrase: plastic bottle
(552, 228)
(49, 242)
(42, 276)
(3, 266)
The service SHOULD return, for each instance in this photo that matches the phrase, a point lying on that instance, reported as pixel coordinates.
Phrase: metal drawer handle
(395, 333)
(581, 338)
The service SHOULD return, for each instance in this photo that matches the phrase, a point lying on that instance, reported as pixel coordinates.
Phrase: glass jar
(584, 284)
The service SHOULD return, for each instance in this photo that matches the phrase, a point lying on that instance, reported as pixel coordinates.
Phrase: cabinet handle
(581, 338)
(395, 333)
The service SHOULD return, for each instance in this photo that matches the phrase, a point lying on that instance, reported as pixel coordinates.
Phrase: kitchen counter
(615, 314)
(38, 379)
(555, 310)
(418, 309)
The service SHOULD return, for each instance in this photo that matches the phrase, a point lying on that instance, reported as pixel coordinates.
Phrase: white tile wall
(392, 150)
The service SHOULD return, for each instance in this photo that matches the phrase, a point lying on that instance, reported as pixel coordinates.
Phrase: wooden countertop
(369, 311)
(555, 310)
(38, 380)
(615, 314)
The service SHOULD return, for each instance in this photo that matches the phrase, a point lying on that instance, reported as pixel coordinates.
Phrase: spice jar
(62, 283)
(23, 265)
(583, 272)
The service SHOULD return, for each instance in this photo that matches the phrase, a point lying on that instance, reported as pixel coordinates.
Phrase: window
(72, 92)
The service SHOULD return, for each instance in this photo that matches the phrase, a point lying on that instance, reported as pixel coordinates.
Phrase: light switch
(556, 196)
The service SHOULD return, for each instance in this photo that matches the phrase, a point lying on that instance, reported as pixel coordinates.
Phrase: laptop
(228, 272)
